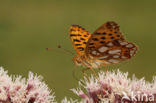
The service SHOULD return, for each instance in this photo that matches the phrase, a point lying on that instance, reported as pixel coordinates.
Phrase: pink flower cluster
(116, 87)
(107, 87)
(15, 89)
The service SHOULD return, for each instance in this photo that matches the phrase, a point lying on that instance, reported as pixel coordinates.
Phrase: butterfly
(105, 46)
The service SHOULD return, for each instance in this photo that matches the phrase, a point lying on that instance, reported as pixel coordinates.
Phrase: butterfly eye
(77, 61)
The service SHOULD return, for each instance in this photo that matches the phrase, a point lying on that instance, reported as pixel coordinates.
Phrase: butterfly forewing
(107, 43)
(79, 37)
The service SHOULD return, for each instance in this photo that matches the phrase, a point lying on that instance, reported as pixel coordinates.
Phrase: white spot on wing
(132, 52)
(103, 49)
(94, 52)
(113, 61)
(103, 57)
(91, 57)
(122, 42)
(98, 53)
(116, 56)
(96, 63)
(110, 44)
(114, 51)
(135, 48)
(129, 46)
(105, 62)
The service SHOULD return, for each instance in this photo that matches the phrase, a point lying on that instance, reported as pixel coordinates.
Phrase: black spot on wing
(82, 38)
(78, 34)
(82, 28)
(102, 42)
(72, 30)
(78, 44)
(85, 35)
(116, 43)
(104, 33)
(118, 35)
(80, 48)
(91, 47)
(95, 39)
(103, 37)
(110, 34)
(76, 40)
(91, 43)
(97, 33)
(73, 35)
(112, 37)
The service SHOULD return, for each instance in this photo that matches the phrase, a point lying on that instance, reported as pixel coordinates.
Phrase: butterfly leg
(106, 70)
(94, 74)
(85, 74)
(99, 69)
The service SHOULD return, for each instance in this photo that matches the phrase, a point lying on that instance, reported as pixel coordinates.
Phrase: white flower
(15, 89)
(116, 87)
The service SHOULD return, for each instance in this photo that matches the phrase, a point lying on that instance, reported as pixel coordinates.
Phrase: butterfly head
(77, 60)
(82, 60)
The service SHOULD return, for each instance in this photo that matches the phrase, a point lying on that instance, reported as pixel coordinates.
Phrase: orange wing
(79, 37)
(106, 33)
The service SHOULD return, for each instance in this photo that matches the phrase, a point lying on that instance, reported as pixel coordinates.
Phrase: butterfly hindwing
(107, 43)
(79, 37)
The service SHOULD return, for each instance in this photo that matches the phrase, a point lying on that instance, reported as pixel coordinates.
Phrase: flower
(15, 89)
(65, 100)
(116, 87)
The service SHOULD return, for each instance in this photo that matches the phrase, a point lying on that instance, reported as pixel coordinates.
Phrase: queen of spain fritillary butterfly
(104, 47)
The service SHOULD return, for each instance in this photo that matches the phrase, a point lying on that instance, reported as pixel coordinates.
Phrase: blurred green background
(27, 27)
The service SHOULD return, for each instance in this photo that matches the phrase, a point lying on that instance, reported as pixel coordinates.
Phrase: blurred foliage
(27, 27)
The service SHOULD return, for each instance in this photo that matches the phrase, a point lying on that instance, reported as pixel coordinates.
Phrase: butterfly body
(104, 47)
(86, 62)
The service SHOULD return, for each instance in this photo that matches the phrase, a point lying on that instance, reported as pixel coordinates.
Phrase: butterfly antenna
(63, 50)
